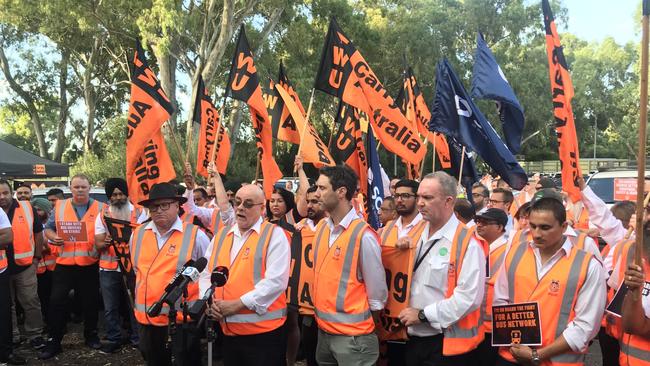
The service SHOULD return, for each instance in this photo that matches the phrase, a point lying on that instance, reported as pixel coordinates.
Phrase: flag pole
(426, 140)
(213, 151)
(172, 135)
(643, 122)
(190, 120)
(462, 161)
(304, 128)
(433, 160)
(257, 168)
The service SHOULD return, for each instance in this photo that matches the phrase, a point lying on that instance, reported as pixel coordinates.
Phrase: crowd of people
(307, 277)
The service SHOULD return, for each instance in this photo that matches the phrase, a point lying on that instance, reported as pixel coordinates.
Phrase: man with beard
(24, 192)
(402, 233)
(23, 257)
(305, 274)
(110, 276)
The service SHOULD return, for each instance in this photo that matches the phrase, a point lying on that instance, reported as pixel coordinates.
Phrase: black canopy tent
(18, 163)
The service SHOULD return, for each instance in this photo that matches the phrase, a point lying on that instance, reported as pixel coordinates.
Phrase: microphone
(178, 284)
(177, 276)
(218, 278)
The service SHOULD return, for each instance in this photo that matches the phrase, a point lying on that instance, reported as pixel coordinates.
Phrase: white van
(602, 182)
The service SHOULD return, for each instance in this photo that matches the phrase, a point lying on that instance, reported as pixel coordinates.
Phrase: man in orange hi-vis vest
(23, 256)
(76, 265)
(349, 279)
(447, 285)
(6, 344)
(159, 250)
(567, 283)
(398, 239)
(252, 306)
(110, 276)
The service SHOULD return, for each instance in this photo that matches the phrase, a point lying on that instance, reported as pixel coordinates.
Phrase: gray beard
(122, 212)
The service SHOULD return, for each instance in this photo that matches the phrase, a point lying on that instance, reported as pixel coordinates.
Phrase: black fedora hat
(162, 191)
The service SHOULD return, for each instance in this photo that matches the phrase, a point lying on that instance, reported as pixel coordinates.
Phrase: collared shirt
(589, 306)
(429, 284)
(403, 231)
(590, 245)
(100, 228)
(276, 276)
(205, 214)
(371, 270)
(4, 224)
(311, 224)
(200, 245)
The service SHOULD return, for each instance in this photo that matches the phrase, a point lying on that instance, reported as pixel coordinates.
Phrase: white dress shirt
(276, 276)
(4, 224)
(590, 244)
(429, 284)
(205, 214)
(100, 228)
(589, 306)
(371, 270)
(403, 230)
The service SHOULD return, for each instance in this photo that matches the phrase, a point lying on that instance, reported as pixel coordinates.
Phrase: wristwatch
(536, 361)
(422, 317)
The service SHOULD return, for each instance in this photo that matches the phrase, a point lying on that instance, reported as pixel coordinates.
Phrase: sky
(593, 20)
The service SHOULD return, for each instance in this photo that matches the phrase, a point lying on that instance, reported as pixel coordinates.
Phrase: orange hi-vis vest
(467, 333)
(78, 253)
(154, 268)
(22, 226)
(107, 257)
(3, 259)
(635, 350)
(289, 218)
(495, 259)
(556, 293)
(340, 299)
(215, 222)
(582, 223)
(306, 279)
(48, 261)
(248, 269)
(389, 235)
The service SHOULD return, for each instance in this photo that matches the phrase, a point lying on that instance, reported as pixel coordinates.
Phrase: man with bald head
(252, 306)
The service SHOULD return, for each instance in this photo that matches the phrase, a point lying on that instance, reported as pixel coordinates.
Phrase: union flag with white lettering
(212, 131)
(344, 73)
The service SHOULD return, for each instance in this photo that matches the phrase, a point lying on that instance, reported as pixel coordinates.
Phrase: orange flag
(244, 85)
(562, 89)
(284, 125)
(313, 149)
(344, 73)
(211, 129)
(348, 147)
(149, 108)
(153, 166)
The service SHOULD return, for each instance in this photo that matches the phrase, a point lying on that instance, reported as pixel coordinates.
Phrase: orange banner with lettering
(244, 85)
(348, 147)
(344, 73)
(562, 90)
(398, 264)
(153, 166)
(149, 108)
(212, 131)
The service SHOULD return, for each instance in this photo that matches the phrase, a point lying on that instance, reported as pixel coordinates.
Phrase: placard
(72, 231)
(615, 307)
(625, 189)
(516, 324)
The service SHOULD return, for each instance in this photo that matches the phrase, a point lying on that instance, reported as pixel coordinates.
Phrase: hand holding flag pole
(643, 121)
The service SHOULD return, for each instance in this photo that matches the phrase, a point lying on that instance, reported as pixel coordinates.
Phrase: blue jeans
(113, 293)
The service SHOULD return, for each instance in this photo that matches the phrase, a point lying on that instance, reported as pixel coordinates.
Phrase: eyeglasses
(494, 202)
(246, 203)
(486, 222)
(474, 194)
(160, 207)
(404, 196)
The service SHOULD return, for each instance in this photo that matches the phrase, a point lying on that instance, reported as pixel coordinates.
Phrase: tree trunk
(167, 66)
(235, 123)
(29, 104)
(90, 95)
(63, 107)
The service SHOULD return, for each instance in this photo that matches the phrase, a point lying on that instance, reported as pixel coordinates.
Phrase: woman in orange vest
(635, 341)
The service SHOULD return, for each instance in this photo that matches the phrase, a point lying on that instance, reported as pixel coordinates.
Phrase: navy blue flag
(489, 82)
(455, 114)
(375, 185)
(470, 175)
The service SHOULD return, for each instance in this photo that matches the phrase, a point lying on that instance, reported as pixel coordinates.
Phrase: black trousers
(427, 351)
(44, 292)
(486, 354)
(609, 348)
(503, 362)
(5, 317)
(269, 349)
(309, 339)
(185, 347)
(85, 282)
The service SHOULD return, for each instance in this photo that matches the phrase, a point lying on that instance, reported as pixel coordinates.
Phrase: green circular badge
(443, 252)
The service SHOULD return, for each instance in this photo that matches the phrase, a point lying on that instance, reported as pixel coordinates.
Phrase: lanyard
(419, 260)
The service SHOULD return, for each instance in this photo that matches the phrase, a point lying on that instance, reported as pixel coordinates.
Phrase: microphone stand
(185, 315)
(210, 334)
(171, 328)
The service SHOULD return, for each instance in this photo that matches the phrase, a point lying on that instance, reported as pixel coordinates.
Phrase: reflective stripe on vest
(78, 255)
(3, 259)
(340, 316)
(521, 249)
(386, 231)
(255, 318)
(635, 352)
